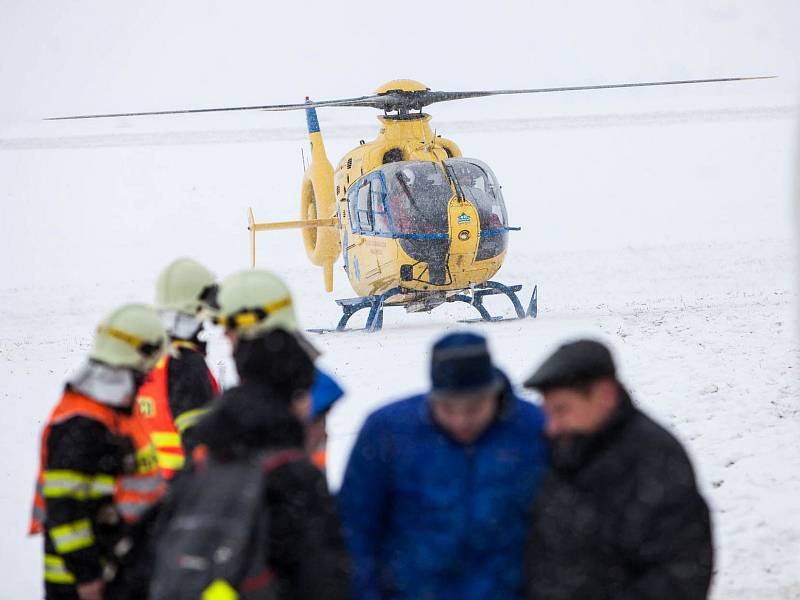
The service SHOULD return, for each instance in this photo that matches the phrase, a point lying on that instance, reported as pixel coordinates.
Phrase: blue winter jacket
(426, 517)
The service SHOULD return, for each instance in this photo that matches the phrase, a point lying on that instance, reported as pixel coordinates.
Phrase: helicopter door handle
(513, 228)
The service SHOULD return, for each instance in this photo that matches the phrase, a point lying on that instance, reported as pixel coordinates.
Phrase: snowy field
(668, 233)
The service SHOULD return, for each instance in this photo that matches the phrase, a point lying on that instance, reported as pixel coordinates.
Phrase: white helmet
(185, 293)
(185, 286)
(132, 336)
(254, 302)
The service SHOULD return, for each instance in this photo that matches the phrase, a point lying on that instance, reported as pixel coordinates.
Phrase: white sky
(87, 56)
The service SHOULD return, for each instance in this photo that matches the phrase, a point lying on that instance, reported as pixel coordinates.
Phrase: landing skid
(473, 297)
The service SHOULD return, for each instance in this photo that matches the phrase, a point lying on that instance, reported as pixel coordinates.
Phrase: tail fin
(318, 203)
(315, 138)
(318, 219)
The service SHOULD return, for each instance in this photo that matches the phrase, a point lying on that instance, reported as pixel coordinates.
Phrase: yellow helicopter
(417, 223)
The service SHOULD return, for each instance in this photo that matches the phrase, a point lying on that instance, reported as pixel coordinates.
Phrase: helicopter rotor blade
(368, 101)
(404, 101)
(432, 97)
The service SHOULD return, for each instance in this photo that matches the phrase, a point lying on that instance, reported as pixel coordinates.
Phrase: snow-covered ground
(668, 234)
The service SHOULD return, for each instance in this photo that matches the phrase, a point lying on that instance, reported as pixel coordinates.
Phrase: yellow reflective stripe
(165, 439)
(173, 462)
(219, 590)
(283, 303)
(79, 486)
(58, 484)
(184, 344)
(102, 485)
(189, 419)
(71, 537)
(55, 570)
(249, 317)
(246, 319)
(146, 459)
(123, 336)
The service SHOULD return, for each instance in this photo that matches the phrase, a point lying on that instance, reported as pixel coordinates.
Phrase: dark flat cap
(575, 363)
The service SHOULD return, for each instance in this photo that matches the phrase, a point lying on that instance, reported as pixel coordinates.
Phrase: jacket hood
(249, 417)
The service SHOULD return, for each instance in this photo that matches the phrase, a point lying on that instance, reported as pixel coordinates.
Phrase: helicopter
(418, 224)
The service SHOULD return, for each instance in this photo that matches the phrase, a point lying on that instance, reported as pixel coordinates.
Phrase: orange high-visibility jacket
(132, 493)
(165, 429)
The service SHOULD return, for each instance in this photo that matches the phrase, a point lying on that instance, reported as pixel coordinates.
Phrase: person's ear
(606, 391)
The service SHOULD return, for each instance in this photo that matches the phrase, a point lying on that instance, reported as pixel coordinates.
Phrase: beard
(568, 451)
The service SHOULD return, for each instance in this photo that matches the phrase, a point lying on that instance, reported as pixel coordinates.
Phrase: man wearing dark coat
(619, 515)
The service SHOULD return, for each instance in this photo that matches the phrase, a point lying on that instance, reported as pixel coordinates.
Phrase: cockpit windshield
(417, 197)
(410, 198)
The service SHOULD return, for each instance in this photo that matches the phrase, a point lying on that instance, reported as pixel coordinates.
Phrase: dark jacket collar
(247, 418)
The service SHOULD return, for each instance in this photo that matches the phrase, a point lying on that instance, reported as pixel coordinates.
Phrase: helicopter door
(370, 219)
(481, 188)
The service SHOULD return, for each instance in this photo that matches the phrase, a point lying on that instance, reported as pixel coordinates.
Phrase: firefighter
(288, 542)
(178, 391)
(98, 471)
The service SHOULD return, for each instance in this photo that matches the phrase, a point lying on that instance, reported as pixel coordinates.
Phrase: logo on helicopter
(464, 218)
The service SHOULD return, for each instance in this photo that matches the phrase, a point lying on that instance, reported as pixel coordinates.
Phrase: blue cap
(461, 364)
(324, 393)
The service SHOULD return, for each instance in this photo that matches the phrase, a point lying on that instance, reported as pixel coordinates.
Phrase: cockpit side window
(367, 201)
(363, 207)
(352, 205)
(380, 219)
(480, 187)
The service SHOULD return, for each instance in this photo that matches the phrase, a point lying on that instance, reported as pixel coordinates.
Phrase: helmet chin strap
(114, 386)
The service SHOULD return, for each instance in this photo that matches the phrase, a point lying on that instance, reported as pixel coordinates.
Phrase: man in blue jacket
(435, 497)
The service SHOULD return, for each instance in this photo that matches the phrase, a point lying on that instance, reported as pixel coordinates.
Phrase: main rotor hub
(401, 96)
(402, 85)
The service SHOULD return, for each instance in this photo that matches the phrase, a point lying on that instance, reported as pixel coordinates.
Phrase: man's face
(465, 417)
(579, 412)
